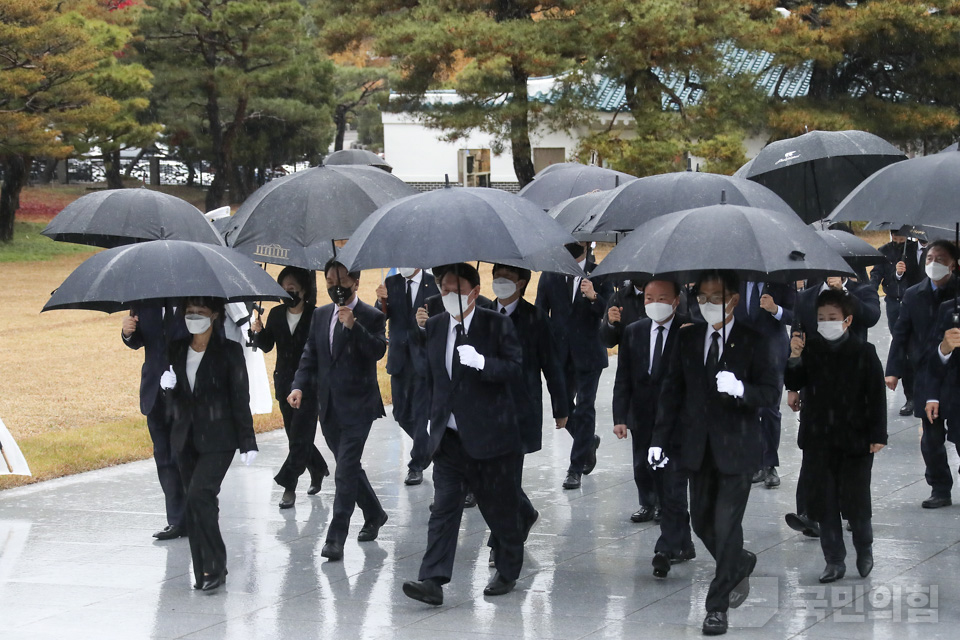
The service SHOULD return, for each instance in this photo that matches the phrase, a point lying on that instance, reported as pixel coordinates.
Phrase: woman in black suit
(209, 402)
(288, 327)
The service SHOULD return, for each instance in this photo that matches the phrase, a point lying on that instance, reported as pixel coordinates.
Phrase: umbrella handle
(6, 460)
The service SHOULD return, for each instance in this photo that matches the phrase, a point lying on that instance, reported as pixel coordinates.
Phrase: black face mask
(339, 294)
(575, 250)
(294, 299)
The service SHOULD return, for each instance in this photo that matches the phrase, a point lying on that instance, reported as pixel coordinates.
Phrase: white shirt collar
(466, 320)
(417, 278)
(666, 325)
(583, 262)
(723, 336)
(510, 307)
(824, 286)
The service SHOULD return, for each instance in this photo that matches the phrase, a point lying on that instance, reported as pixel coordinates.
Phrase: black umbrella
(460, 224)
(953, 147)
(295, 219)
(121, 216)
(357, 157)
(760, 244)
(633, 204)
(156, 271)
(572, 213)
(815, 171)
(924, 232)
(558, 166)
(855, 251)
(553, 187)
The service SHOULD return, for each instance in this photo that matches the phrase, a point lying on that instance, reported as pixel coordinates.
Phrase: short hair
(307, 281)
(676, 285)
(521, 273)
(835, 298)
(333, 262)
(947, 246)
(729, 279)
(214, 304)
(466, 271)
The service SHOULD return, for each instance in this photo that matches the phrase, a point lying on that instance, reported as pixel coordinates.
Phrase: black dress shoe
(657, 514)
(470, 501)
(414, 476)
(759, 476)
(498, 586)
(740, 592)
(686, 554)
(803, 524)
(315, 483)
(213, 582)
(332, 551)
(426, 591)
(288, 499)
(934, 502)
(572, 481)
(643, 514)
(865, 562)
(592, 459)
(772, 481)
(371, 529)
(715, 624)
(661, 565)
(832, 573)
(170, 532)
(907, 408)
(530, 523)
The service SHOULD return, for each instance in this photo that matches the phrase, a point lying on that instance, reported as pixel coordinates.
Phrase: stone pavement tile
(104, 624)
(502, 619)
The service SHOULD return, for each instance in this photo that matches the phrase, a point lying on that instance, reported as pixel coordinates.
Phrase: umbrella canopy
(357, 156)
(553, 187)
(919, 191)
(926, 233)
(122, 216)
(953, 147)
(122, 277)
(757, 243)
(558, 166)
(460, 224)
(856, 252)
(633, 204)
(815, 171)
(572, 213)
(293, 220)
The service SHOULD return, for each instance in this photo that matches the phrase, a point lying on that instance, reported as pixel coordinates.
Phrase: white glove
(247, 457)
(727, 383)
(168, 380)
(656, 459)
(470, 358)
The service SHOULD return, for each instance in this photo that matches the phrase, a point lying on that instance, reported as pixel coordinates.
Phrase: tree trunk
(111, 169)
(191, 174)
(16, 173)
(49, 171)
(221, 175)
(128, 171)
(340, 120)
(520, 128)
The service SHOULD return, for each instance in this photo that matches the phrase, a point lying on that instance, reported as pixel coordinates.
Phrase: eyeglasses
(714, 299)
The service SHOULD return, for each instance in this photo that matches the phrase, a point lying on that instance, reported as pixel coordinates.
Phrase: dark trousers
(528, 513)
(411, 406)
(166, 458)
(582, 421)
(717, 504)
(301, 427)
(770, 419)
(647, 481)
(892, 306)
(934, 451)
(202, 475)
(831, 522)
(346, 441)
(674, 518)
(493, 481)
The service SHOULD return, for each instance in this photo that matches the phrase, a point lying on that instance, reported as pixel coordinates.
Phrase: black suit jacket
(690, 402)
(866, 309)
(289, 346)
(636, 391)
(765, 323)
(346, 378)
(151, 335)
(216, 413)
(403, 350)
(943, 380)
(482, 401)
(885, 274)
(575, 320)
(539, 355)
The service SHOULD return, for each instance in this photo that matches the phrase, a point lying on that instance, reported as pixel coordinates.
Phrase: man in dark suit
(398, 298)
(767, 308)
(474, 362)
(153, 328)
(717, 379)
(626, 307)
(647, 345)
(942, 390)
(912, 336)
(576, 309)
(900, 272)
(347, 338)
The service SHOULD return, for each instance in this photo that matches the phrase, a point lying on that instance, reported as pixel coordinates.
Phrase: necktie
(713, 354)
(503, 311)
(409, 295)
(455, 360)
(755, 294)
(657, 354)
(337, 336)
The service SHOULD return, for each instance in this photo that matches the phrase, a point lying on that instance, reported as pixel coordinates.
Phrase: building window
(474, 167)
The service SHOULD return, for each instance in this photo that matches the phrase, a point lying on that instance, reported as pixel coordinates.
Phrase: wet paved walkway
(77, 559)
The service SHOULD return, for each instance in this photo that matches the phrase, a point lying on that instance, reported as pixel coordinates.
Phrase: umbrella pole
(956, 296)
(340, 300)
(6, 460)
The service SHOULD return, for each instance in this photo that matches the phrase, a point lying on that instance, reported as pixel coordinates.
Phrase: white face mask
(658, 311)
(407, 273)
(936, 271)
(451, 304)
(503, 288)
(712, 313)
(830, 329)
(197, 323)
